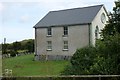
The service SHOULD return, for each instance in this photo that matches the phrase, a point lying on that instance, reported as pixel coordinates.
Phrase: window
(65, 45)
(65, 30)
(96, 32)
(103, 18)
(49, 45)
(49, 31)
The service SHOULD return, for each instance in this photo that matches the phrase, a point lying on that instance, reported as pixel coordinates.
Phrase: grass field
(25, 66)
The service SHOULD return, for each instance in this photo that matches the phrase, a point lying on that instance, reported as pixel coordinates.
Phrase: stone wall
(52, 57)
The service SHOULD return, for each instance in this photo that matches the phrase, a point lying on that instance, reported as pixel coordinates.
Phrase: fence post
(99, 77)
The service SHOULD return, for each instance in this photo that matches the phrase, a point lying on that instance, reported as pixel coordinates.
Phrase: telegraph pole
(4, 46)
(4, 40)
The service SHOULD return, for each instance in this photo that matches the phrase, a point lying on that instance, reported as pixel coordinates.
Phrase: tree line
(18, 47)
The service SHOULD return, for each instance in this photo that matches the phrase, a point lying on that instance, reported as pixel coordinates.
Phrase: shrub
(81, 61)
(13, 53)
(102, 59)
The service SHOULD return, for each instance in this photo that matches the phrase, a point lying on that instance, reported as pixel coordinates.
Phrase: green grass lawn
(25, 66)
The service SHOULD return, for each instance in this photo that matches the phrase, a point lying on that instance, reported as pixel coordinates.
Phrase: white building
(60, 33)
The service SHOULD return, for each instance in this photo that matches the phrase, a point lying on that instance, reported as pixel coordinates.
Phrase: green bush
(102, 59)
(81, 61)
(13, 53)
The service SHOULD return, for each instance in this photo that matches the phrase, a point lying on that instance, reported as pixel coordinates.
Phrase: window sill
(64, 35)
(65, 49)
(49, 35)
(49, 49)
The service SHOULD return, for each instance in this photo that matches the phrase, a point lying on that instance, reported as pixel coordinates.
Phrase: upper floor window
(65, 30)
(49, 31)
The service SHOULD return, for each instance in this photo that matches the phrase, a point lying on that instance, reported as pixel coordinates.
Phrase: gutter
(89, 34)
(35, 41)
(60, 25)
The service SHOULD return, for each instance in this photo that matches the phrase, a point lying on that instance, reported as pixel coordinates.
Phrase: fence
(73, 77)
(19, 54)
(52, 57)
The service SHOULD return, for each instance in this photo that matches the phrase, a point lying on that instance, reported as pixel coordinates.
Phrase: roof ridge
(78, 8)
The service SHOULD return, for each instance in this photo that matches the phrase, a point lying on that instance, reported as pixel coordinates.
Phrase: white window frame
(65, 30)
(49, 45)
(49, 31)
(65, 45)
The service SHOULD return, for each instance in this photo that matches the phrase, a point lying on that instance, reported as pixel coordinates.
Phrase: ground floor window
(49, 45)
(65, 47)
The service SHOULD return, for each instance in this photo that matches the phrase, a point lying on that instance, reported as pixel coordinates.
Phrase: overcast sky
(17, 17)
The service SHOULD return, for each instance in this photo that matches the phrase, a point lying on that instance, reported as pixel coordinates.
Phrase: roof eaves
(61, 25)
(41, 19)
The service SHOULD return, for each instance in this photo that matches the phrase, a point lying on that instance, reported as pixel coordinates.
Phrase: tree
(4, 48)
(16, 46)
(104, 58)
(113, 25)
(81, 61)
(30, 45)
(109, 51)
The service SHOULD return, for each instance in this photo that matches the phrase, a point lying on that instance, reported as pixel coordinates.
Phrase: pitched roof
(74, 16)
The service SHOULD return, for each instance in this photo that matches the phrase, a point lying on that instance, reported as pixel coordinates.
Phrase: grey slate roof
(74, 16)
